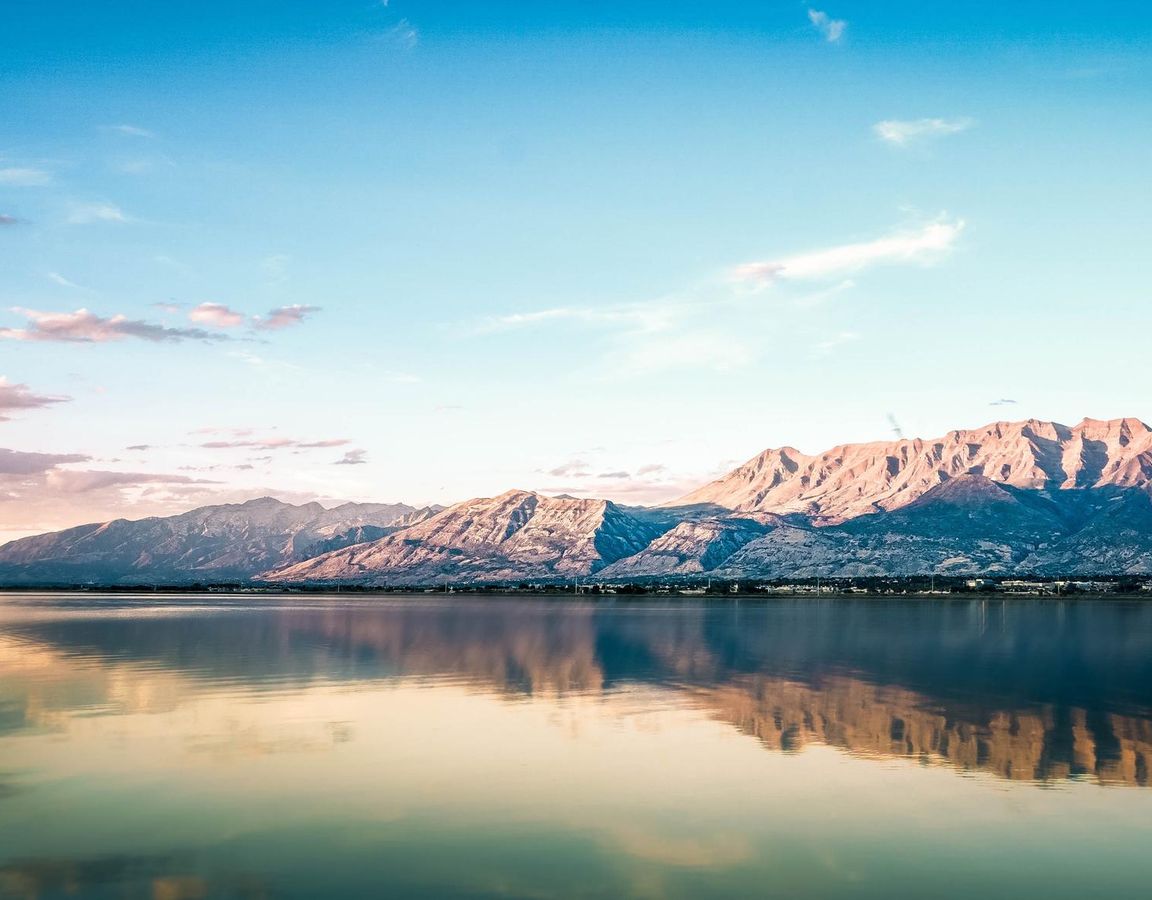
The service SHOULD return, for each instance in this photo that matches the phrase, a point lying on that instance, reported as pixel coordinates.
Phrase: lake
(255, 747)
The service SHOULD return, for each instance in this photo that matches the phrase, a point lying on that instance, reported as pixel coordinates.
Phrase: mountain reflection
(1034, 692)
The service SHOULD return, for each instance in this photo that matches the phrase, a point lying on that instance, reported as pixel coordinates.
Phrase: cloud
(832, 29)
(825, 347)
(215, 314)
(139, 447)
(17, 462)
(405, 34)
(903, 132)
(352, 458)
(1003, 402)
(96, 212)
(275, 443)
(132, 131)
(283, 317)
(9, 220)
(573, 469)
(170, 308)
(83, 326)
(81, 482)
(922, 245)
(19, 396)
(639, 316)
(62, 281)
(17, 176)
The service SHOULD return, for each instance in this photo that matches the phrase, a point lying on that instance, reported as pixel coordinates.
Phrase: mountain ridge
(1007, 497)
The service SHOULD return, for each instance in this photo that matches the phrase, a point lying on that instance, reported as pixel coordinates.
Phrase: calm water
(189, 748)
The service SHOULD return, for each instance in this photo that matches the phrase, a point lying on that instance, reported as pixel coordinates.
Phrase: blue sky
(430, 250)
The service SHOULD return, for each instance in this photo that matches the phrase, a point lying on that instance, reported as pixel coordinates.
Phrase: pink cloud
(19, 396)
(217, 315)
(83, 326)
(284, 317)
(73, 482)
(18, 462)
(275, 443)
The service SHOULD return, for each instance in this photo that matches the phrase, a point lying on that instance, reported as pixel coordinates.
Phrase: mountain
(1007, 498)
(857, 479)
(233, 541)
(517, 535)
(966, 526)
(691, 548)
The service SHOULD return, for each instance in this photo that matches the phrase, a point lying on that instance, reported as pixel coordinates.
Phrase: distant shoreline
(559, 594)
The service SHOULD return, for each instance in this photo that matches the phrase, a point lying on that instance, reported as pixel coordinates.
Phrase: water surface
(188, 747)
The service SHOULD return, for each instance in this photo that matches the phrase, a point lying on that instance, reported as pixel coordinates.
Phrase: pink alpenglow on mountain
(856, 479)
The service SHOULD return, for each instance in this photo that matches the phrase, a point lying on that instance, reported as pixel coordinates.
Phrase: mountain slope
(213, 542)
(691, 547)
(516, 535)
(856, 479)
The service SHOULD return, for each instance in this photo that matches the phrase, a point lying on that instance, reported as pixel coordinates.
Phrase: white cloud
(639, 316)
(133, 131)
(832, 29)
(405, 34)
(17, 176)
(825, 347)
(96, 212)
(902, 132)
(62, 281)
(923, 245)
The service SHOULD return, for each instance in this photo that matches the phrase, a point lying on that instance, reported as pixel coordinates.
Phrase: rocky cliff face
(211, 543)
(857, 479)
(518, 535)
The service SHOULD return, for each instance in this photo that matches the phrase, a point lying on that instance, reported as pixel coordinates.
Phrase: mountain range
(1011, 497)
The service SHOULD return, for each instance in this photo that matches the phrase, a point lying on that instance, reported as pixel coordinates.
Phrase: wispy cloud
(902, 132)
(19, 396)
(352, 458)
(825, 347)
(59, 279)
(1003, 402)
(284, 317)
(641, 316)
(132, 131)
(922, 245)
(70, 481)
(405, 34)
(832, 29)
(216, 315)
(18, 462)
(91, 213)
(24, 176)
(9, 220)
(272, 443)
(83, 326)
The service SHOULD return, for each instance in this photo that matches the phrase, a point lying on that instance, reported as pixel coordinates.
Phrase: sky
(425, 251)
